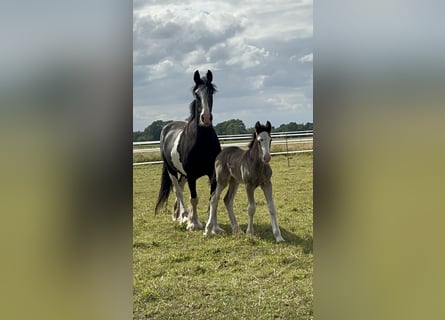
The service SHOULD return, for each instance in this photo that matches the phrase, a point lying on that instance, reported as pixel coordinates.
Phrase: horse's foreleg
(250, 208)
(193, 223)
(267, 189)
(179, 208)
(228, 201)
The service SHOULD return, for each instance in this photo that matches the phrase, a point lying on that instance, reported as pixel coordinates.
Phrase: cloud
(257, 50)
(307, 58)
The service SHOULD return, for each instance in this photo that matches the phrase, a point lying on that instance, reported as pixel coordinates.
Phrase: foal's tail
(164, 192)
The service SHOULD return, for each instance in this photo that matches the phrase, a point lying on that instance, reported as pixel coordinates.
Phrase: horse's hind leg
(228, 201)
(267, 189)
(177, 214)
(179, 203)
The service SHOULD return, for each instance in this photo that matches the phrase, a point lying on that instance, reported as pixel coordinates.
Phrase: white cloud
(248, 55)
(162, 69)
(258, 82)
(307, 58)
(250, 47)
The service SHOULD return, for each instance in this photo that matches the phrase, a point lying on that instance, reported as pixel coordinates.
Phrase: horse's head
(203, 93)
(262, 136)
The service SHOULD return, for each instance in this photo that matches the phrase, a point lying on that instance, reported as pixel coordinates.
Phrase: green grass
(179, 274)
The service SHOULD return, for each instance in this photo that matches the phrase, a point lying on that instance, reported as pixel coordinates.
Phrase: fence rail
(240, 140)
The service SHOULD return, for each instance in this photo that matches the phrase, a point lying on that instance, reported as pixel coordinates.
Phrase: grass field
(179, 274)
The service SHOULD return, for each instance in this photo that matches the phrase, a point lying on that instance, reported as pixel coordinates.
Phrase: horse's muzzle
(206, 119)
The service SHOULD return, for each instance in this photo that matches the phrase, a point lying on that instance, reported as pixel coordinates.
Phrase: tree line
(233, 126)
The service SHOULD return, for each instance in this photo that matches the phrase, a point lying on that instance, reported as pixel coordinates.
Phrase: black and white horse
(189, 149)
(251, 167)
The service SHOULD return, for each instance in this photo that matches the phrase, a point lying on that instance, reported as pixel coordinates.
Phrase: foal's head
(203, 93)
(263, 138)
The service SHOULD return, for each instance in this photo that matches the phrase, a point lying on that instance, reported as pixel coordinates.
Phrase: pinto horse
(189, 149)
(251, 167)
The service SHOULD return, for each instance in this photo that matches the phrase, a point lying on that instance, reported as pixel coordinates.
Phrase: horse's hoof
(279, 239)
(218, 230)
(195, 226)
(183, 218)
(210, 232)
(237, 230)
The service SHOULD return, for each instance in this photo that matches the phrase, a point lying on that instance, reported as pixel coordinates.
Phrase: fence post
(287, 153)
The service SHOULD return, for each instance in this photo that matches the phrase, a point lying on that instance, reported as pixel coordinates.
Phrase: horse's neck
(253, 154)
(197, 134)
(253, 170)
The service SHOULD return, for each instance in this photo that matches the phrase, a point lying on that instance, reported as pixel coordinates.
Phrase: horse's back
(229, 152)
(169, 134)
(171, 129)
(228, 163)
(168, 142)
(235, 162)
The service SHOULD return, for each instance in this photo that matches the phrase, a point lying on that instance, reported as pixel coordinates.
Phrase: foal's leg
(250, 207)
(213, 185)
(212, 223)
(193, 223)
(228, 201)
(267, 189)
(177, 213)
(179, 203)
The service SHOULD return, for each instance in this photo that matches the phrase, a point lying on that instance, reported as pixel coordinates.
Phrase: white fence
(279, 138)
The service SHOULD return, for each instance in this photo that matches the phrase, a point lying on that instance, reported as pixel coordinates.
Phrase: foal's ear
(197, 77)
(268, 127)
(257, 126)
(209, 76)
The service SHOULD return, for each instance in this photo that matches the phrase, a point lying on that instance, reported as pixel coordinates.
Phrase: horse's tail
(166, 186)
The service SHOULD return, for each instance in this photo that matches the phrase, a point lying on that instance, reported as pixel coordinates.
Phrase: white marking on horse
(264, 139)
(176, 157)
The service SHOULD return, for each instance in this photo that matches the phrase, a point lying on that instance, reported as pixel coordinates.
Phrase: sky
(260, 54)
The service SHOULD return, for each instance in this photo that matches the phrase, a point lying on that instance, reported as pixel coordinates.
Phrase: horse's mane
(192, 108)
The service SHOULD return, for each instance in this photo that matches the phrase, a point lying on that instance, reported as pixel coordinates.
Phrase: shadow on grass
(145, 245)
(264, 232)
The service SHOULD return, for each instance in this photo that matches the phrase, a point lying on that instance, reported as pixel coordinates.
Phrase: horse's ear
(257, 126)
(268, 127)
(197, 77)
(209, 76)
